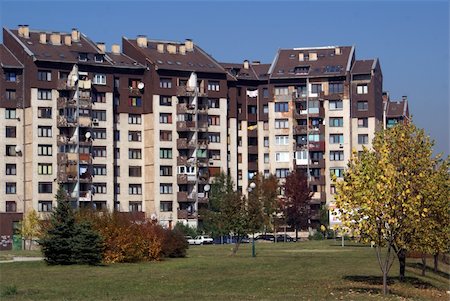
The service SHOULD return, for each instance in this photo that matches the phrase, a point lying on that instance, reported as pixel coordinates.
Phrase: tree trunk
(436, 261)
(296, 233)
(424, 264)
(385, 287)
(236, 246)
(402, 261)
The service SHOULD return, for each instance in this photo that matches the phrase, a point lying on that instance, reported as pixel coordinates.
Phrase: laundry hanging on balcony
(252, 93)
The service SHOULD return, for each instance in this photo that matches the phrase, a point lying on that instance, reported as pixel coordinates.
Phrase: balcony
(184, 214)
(202, 143)
(66, 121)
(85, 121)
(332, 95)
(85, 84)
(183, 91)
(85, 158)
(202, 198)
(62, 85)
(182, 108)
(202, 162)
(134, 91)
(287, 97)
(253, 165)
(311, 112)
(185, 126)
(182, 161)
(300, 129)
(62, 158)
(316, 145)
(252, 149)
(182, 196)
(183, 143)
(63, 139)
(317, 163)
(299, 96)
(203, 124)
(317, 128)
(320, 180)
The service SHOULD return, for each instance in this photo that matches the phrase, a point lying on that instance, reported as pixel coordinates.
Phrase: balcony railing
(181, 160)
(287, 97)
(135, 91)
(62, 85)
(85, 84)
(183, 143)
(184, 214)
(185, 125)
(63, 139)
(300, 129)
(316, 145)
(182, 196)
(65, 121)
(184, 91)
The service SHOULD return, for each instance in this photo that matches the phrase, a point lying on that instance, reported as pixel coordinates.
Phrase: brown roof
(7, 59)
(59, 53)
(122, 60)
(255, 71)
(197, 60)
(362, 67)
(397, 108)
(327, 63)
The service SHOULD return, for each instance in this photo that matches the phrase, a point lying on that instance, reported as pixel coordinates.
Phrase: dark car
(284, 238)
(265, 237)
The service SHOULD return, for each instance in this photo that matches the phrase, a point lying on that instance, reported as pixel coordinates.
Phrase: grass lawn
(317, 270)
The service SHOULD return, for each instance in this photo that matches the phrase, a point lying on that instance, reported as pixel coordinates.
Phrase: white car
(202, 240)
(190, 240)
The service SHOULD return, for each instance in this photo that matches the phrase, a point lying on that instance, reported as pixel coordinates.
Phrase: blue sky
(411, 38)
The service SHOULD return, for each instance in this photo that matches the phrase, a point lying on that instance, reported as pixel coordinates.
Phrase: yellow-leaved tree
(30, 228)
(390, 194)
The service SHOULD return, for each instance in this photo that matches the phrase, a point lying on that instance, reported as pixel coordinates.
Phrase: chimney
(301, 57)
(142, 41)
(246, 64)
(337, 51)
(404, 97)
(256, 62)
(55, 38)
(67, 40)
(43, 38)
(101, 46)
(171, 48)
(160, 48)
(20, 30)
(25, 31)
(115, 48)
(182, 49)
(75, 35)
(189, 45)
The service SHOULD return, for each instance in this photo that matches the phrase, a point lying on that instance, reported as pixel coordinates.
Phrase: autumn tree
(385, 196)
(296, 207)
(30, 228)
(266, 191)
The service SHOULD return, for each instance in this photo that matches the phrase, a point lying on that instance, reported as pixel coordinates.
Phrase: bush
(185, 229)
(175, 244)
(316, 236)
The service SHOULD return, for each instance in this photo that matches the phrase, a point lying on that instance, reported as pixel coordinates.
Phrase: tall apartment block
(146, 128)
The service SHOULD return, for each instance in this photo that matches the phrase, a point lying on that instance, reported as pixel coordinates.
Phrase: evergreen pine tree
(87, 245)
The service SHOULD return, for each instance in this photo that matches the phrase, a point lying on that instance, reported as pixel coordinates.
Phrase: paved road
(21, 259)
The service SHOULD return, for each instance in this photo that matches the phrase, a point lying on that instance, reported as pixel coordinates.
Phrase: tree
(385, 194)
(87, 245)
(30, 228)
(266, 191)
(295, 205)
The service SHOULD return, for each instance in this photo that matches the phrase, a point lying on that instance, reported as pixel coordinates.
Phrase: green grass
(317, 270)
(8, 255)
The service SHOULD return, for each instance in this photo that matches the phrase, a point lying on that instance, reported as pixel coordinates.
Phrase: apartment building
(145, 129)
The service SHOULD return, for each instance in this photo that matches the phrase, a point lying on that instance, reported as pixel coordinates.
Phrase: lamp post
(249, 189)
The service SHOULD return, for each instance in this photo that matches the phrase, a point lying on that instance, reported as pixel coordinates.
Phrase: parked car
(265, 237)
(190, 240)
(284, 238)
(202, 240)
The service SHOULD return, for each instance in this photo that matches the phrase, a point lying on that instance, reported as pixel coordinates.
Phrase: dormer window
(301, 70)
(82, 57)
(99, 58)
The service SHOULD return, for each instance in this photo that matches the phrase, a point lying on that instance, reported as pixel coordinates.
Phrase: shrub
(175, 244)
(185, 229)
(316, 236)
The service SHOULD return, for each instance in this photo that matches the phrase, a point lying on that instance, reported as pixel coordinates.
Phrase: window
(338, 172)
(134, 136)
(44, 131)
(10, 150)
(116, 153)
(213, 86)
(335, 88)
(99, 97)
(134, 189)
(165, 101)
(10, 76)
(134, 171)
(165, 83)
(332, 189)
(336, 122)
(10, 94)
(99, 79)
(44, 94)
(282, 156)
(266, 141)
(117, 188)
(265, 93)
(45, 206)
(10, 132)
(362, 89)
(214, 137)
(165, 153)
(316, 88)
(10, 114)
(44, 150)
(335, 105)
(281, 123)
(99, 151)
(11, 206)
(336, 156)
(165, 135)
(98, 58)
(99, 169)
(165, 171)
(363, 139)
(116, 171)
(135, 206)
(99, 188)
(281, 107)
(11, 169)
(281, 91)
(165, 206)
(116, 135)
(213, 120)
(134, 153)
(100, 115)
(281, 172)
(44, 112)
(363, 122)
(44, 75)
(363, 105)
(314, 137)
(45, 187)
(99, 133)
(214, 103)
(82, 57)
(165, 118)
(252, 109)
(336, 138)
(165, 189)
(134, 119)
(266, 158)
(45, 168)
(281, 140)
(135, 101)
(265, 109)
(11, 188)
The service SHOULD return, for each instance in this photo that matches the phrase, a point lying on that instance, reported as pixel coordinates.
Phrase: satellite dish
(141, 86)
(87, 135)
(207, 187)
(153, 216)
(18, 149)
